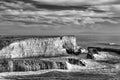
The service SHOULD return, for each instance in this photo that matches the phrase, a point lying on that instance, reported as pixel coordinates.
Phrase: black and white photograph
(59, 39)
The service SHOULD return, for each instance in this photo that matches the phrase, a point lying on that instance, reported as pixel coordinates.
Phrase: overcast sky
(51, 17)
(76, 2)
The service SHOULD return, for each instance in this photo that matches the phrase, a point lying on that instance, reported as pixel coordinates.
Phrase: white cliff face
(37, 47)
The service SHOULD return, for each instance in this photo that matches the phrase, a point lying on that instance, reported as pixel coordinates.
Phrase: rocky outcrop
(84, 64)
(35, 65)
(30, 64)
(33, 47)
(4, 66)
(98, 53)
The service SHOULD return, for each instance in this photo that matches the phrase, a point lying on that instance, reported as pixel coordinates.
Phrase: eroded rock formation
(98, 53)
(18, 65)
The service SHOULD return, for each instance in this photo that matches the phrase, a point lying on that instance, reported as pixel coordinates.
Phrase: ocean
(94, 40)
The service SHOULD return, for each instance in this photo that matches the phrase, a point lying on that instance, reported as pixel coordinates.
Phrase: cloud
(114, 8)
(75, 2)
(15, 5)
(108, 7)
(63, 17)
(54, 4)
(33, 13)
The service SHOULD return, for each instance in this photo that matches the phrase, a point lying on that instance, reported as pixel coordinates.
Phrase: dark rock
(89, 56)
(75, 62)
(32, 65)
(104, 49)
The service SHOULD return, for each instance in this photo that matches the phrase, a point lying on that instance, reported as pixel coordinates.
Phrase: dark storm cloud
(35, 4)
(60, 4)
(75, 2)
(56, 4)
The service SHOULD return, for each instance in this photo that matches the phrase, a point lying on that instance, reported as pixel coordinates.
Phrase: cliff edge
(33, 47)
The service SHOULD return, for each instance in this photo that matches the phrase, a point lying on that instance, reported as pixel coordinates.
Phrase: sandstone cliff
(33, 47)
